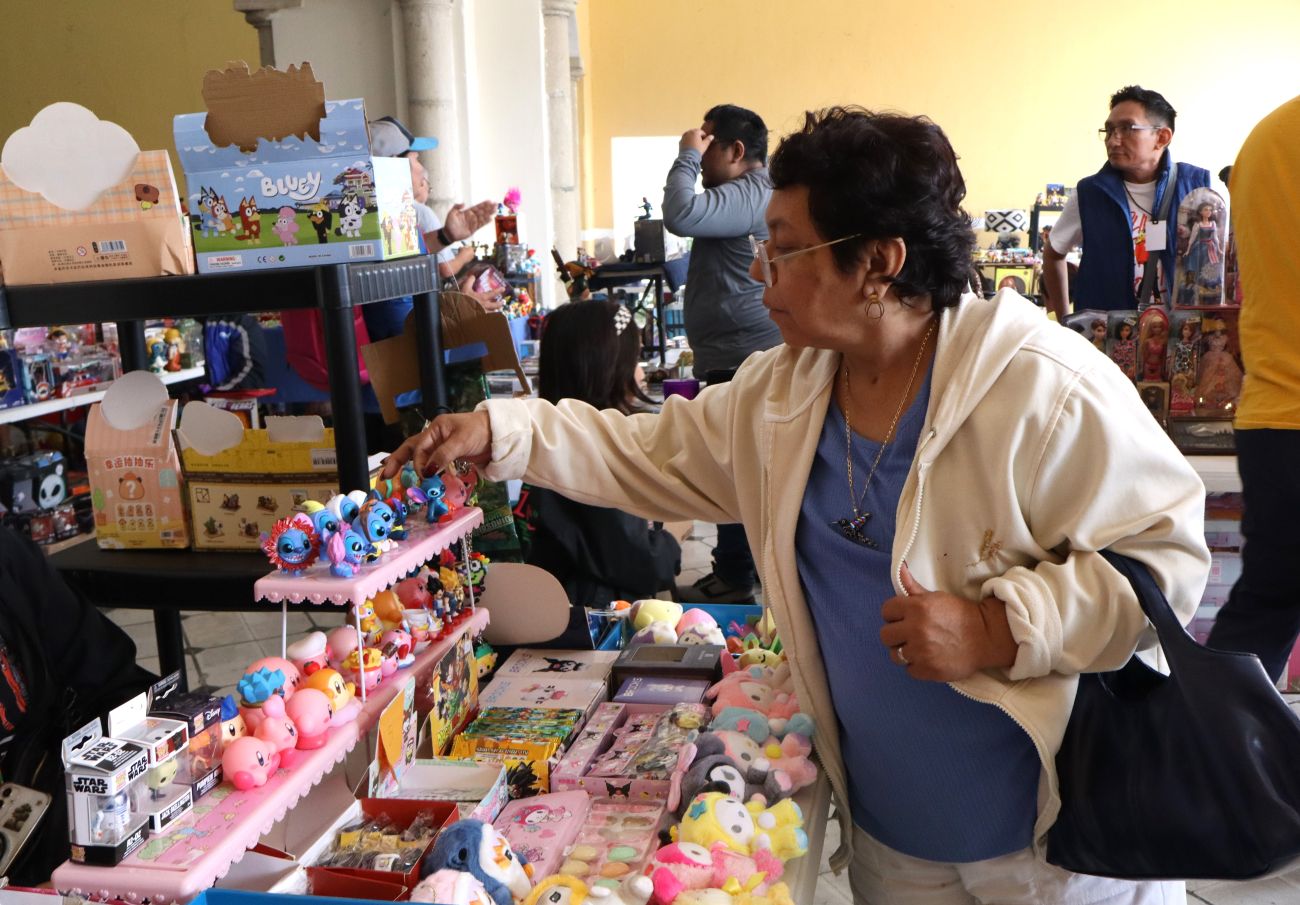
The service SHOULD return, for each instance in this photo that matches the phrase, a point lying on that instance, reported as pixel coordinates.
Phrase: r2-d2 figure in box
(104, 778)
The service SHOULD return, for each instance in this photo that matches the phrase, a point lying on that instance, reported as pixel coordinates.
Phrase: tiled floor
(220, 645)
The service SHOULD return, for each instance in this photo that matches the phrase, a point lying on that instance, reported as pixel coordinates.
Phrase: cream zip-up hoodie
(1036, 453)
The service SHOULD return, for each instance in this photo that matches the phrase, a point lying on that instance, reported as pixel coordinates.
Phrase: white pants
(881, 876)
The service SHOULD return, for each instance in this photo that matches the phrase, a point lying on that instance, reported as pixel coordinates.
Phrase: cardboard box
(402, 813)
(276, 176)
(135, 473)
(641, 694)
(478, 790)
(544, 692)
(669, 661)
(394, 363)
(80, 201)
(200, 766)
(240, 482)
(165, 740)
(595, 737)
(562, 664)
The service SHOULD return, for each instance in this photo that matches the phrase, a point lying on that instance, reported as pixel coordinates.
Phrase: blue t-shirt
(932, 773)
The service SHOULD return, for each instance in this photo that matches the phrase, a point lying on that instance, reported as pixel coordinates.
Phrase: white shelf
(49, 406)
(1218, 472)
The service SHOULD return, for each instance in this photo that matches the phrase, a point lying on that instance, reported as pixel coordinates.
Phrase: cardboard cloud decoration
(69, 156)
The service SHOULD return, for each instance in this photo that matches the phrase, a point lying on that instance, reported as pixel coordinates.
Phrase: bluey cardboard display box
(240, 482)
(277, 176)
(135, 474)
(80, 201)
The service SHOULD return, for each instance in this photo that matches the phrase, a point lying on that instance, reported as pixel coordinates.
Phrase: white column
(560, 123)
(429, 35)
(576, 72)
(258, 14)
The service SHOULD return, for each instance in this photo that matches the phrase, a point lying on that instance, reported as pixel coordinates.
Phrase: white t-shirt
(1067, 231)
(428, 222)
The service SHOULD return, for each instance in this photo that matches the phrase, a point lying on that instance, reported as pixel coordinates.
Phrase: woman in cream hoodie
(927, 478)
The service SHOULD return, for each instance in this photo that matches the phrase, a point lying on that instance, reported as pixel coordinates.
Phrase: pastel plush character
(657, 632)
(697, 773)
(451, 887)
(779, 894)
(702, 634)
(644, 612)
(792, 756)
(248, 762)
(562, 889)
(788, 756)
(715, 817)
(312, 714)
(479, 849)
(694, 618)
(279, 731)
(679, 866)
(754, 873)
(309, 653)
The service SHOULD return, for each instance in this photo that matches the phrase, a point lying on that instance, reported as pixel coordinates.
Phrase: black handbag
(1194, 775)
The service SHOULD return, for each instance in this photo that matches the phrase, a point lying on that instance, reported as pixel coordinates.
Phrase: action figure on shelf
(647, 210)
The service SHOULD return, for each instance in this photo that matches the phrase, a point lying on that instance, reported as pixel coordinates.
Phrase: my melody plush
(683, 867)
(758, 702)
(562, 889)
(744, 828)
(474, 847)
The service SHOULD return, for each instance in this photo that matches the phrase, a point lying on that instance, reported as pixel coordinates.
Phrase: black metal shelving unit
(219, 581)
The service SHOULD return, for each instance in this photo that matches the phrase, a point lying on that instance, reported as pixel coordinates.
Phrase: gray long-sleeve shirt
(725, 317)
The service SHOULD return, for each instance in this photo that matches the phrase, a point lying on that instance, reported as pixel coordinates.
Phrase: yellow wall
(1019, 88)
(134, 62)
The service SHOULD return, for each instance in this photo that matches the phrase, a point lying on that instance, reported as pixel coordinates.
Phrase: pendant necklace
(852, 528)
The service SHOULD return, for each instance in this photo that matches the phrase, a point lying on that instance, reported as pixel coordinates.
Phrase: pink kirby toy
(374, 665)
(309, 654)
(400, 642)
(342, 695)
(292, 677)
(311, 712)
(248, 762)
(279, 731)
(414, 592)
(341, 642)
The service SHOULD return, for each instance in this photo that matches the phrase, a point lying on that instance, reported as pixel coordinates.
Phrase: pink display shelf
(317, 585)
(189, 858)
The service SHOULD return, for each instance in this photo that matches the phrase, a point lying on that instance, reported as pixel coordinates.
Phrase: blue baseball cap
(389, 138)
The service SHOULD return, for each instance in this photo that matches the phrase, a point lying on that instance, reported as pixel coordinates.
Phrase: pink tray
(189, 858)
(317, 585)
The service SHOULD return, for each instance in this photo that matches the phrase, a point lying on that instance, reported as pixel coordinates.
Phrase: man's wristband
(445, 239)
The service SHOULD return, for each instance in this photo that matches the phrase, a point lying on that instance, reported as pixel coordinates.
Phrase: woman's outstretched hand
(446, 439)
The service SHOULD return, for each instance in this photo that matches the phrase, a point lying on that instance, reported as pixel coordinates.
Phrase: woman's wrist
(1001, 646)
(443, 239)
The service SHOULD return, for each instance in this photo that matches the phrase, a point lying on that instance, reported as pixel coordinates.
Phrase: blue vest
(1105, 280)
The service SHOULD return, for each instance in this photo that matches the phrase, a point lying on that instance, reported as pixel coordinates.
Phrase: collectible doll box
(102, 777)
(135, 473)
(80, 201)
(277, 176)
(240, 482)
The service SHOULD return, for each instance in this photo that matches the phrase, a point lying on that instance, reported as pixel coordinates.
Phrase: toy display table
(182, 862)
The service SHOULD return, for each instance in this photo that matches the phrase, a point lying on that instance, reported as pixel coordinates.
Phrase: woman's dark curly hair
(884, 175)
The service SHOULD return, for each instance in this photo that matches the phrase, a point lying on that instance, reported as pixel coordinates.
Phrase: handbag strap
(1150, 269)
(1152, 600)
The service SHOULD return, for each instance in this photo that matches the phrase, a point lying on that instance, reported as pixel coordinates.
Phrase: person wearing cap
(390, 138)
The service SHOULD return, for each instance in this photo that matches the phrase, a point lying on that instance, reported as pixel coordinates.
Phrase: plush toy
(757, 702)
(715, 772)
(658, 632)
(477, 848)
(789, 756)
(562, 889)
(779, 894)
(644, 612)
(451, 887)
(685, 866)
(697, 627)
(744, 828)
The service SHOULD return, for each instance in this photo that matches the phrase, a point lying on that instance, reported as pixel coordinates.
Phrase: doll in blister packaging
(1218, 377)
(1123, 344)
(1198, 278)
(1153, 328)
(1184, 358)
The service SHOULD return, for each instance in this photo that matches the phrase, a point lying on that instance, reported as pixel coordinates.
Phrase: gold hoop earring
(875, 307)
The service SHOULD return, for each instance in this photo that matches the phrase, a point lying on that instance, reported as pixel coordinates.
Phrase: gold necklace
(851, 528)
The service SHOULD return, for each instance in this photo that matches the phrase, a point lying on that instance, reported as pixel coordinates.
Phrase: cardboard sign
(276, 176)
(80, 201)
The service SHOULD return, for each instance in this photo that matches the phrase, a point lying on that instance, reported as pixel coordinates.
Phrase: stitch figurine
(286, 226)
(292, 545)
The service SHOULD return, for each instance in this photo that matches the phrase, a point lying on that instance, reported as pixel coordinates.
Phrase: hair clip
(622, 317)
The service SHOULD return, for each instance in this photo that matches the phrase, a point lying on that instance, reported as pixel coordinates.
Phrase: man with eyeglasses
(1115, 213)
(724, 314)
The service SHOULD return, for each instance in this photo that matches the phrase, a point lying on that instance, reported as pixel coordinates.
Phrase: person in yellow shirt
(1262, 615)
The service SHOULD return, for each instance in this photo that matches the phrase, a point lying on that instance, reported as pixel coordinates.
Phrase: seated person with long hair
(589, 353)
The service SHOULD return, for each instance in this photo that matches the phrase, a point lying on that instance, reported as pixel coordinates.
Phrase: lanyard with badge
(1156, 238)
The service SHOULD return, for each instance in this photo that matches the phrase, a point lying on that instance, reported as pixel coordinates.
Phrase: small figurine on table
(646, 209)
